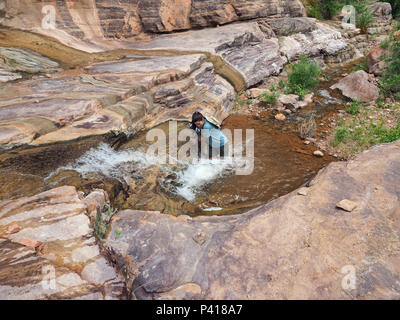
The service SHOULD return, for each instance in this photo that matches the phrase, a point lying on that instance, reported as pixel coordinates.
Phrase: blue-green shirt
(217, 138)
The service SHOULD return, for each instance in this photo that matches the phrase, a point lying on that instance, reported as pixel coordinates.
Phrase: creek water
(282, 163)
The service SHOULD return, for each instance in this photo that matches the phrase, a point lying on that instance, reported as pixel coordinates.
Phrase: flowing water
(282, 163)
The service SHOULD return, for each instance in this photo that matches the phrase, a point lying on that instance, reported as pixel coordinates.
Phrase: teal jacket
(217, 138)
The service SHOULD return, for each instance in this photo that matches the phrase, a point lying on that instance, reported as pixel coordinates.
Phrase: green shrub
(354, 107)
(281, 84)
(323, 9)
(313, 9)
(380, 103)
(103, 218)
(100, 227)
(390, 82)
(303, 77)
(340, 134)
(364, 18)
(326, 9)
(269, 98)
(386, 135)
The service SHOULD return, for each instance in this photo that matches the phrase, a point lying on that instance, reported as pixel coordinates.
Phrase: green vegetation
(101, 224)
(326, 9)
(12, 63)
(238, 102)
(390, 82)
(354, 107)
(364, 136)
(365, 130)
(303, 77)
(323, 9)
(269, 98)
(362, 65)
(100, 227)
(281, 84)
(363, 16)
(117, 234)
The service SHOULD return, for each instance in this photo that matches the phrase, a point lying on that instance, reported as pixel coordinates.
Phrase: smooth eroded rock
(291, 248)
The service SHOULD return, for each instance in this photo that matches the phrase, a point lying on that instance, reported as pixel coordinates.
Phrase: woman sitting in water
(217, 141)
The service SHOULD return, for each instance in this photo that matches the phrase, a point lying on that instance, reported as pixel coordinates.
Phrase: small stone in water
(318, 153)
(280, 117)
(306, 142)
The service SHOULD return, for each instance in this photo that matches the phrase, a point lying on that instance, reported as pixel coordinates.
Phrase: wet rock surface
(292, 248)
(53, 253)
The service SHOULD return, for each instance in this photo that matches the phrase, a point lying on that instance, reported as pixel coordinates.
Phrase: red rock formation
(127, 18)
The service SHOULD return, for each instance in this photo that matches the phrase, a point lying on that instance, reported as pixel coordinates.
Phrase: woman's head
(197, 120)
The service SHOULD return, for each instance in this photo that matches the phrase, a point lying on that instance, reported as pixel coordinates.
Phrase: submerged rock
(318, 153)
(294, 247)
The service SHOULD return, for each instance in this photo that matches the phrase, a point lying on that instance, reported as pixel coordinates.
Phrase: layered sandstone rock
(118, 96)
(300, 246)
(126, 18)
(313, 41)
(249, 50)
(166, 77)
(48, 250)
(382, 18)
(14, 61)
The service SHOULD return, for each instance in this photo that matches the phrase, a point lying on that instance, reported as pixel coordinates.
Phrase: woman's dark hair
(196, 116)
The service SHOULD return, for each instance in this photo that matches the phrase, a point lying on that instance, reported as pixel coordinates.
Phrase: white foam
(199, 173)
(191, 177)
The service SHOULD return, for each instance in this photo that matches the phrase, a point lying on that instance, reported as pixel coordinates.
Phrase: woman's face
(199, 124)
